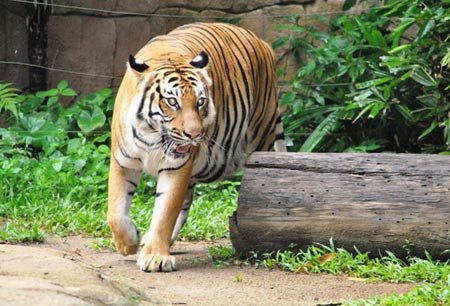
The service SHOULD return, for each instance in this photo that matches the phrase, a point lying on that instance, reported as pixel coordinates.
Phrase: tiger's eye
(172, 101)
(201, 102)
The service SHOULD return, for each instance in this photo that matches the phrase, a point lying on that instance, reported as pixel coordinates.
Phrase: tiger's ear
(136, 66)
(201, 60)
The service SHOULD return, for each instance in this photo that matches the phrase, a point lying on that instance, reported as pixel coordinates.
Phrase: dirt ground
(68, 271)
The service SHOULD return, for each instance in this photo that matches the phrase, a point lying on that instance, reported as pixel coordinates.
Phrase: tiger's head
(174, 101)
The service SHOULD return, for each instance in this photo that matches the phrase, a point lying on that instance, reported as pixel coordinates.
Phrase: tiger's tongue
(183, 149)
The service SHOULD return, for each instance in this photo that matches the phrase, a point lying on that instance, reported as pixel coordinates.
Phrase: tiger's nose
(192, 134)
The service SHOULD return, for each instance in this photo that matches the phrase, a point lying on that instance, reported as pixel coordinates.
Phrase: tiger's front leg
(170, 194)
(121, 186)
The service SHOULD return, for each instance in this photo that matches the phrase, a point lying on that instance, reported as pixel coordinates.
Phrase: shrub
(42, 125)
(378, 81)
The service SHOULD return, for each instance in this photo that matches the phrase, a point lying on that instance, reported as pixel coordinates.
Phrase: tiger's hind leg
(182, 217)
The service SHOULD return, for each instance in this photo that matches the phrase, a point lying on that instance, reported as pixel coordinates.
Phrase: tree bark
(376, 202)
(38, 15)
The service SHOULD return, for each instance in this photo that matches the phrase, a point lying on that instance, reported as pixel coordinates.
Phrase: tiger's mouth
(182, 149)
(176, 148)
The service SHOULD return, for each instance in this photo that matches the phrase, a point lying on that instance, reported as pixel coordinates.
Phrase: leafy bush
(53, 163)
(376, 81)
(43, 125)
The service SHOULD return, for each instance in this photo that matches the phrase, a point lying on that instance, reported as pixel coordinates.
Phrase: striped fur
(191, 107)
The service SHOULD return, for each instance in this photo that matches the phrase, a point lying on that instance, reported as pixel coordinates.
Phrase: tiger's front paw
(154, 262)
(126, 236)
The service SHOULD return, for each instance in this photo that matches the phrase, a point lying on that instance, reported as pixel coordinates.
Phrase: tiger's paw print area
(149, 262)
(125, 236)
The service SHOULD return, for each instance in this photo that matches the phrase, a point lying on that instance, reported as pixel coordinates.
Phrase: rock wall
(98, 40)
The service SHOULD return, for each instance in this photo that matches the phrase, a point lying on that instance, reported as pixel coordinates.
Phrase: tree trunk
(376, 202)
(37, 44)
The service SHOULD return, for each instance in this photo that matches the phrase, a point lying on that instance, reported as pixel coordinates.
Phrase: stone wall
(98, 42)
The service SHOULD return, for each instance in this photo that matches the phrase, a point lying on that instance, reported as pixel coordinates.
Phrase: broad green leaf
(377, 39)
(89, 121)
(362, 96)
(400, 48)
(373, 82)
(62, 85)
(306, 70)
(288, 97)
(326, 127)
(446, 59)
(405, 112)
(280, 41)
(423, 77)
(57, 165)
(52, 101)
(425, 30)
(79, 164)
(430, 129)
(73, 145)
(376, 108)
(68, 92)
(364, 110)
(47, 93)
(398, 32)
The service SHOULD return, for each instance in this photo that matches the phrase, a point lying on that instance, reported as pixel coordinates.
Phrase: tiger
(192, 105)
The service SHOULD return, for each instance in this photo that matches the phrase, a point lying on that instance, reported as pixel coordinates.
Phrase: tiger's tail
(279, 145)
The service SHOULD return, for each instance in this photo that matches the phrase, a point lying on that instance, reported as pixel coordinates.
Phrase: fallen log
(376, 202)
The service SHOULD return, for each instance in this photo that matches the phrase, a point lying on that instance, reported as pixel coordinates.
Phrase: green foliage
(8, 98)
(374, 81)
(222, 256)
(436, 294)
(434, 275)
(44, 126)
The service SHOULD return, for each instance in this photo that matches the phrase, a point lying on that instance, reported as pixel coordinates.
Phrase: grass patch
(328, 259)
(222, 256)
(38, 198)
(432, 277)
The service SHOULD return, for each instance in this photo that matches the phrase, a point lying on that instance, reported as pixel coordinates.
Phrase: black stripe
(117, 161)
(130, 193)
(279, 136)
(159, 194)
(173, 168)
(141, 105)
(126, 155)
(132, 183)
(266, 131)
(136, 136)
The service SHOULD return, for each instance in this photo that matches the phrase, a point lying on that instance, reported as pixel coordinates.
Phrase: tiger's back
(192, 106)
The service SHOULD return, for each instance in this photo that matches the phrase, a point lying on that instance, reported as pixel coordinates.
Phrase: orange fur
(191, 107)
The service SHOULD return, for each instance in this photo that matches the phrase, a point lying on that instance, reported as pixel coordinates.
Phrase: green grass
(40, 197)
(63, 195)
(432, 277)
